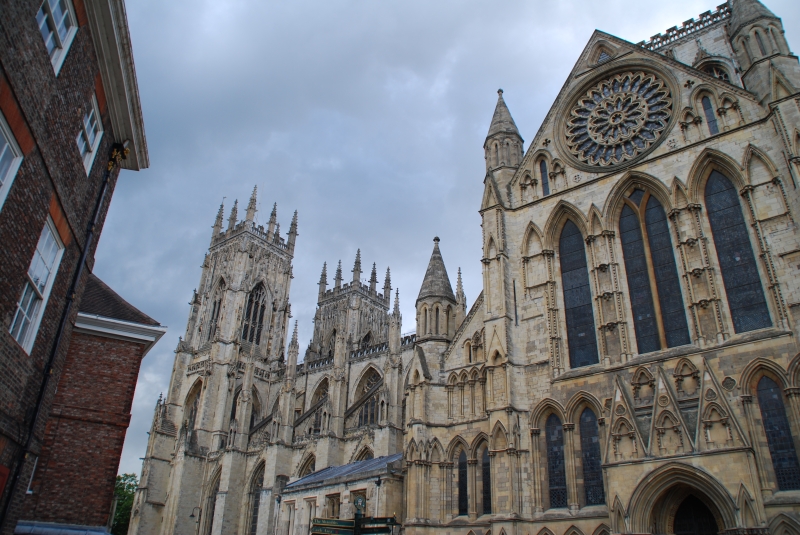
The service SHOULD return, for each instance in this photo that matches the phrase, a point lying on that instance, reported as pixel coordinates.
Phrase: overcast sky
(367, 117)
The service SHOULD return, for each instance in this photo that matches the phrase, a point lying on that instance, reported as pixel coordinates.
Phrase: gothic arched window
(253, 321)
(711, 119)
(779, 435)
(717, 72)
(211, 505)
(216, 305)
(577, 298)
(255, 500)
(760, 44)
(655, 292)
(463, 498)
(309, 467)
(545, 178)
(590, 451)
(737, 263)
(487, 481)
(556, 473)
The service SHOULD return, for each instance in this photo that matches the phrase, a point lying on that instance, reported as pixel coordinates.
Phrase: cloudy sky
(367, 117)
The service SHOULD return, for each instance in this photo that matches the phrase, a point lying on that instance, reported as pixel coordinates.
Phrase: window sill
(57, 61)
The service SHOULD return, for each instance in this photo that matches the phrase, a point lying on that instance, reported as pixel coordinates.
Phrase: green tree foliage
(123, 492)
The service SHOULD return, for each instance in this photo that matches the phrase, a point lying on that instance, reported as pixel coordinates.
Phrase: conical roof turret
(436, 282)
(502, 122)
(744, 12)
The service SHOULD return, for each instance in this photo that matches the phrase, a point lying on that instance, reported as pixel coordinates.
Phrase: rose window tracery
(619, 118)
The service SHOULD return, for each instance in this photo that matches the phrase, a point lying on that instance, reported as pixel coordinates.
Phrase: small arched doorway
(693, 517)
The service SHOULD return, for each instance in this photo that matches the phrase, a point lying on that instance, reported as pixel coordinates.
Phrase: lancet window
(556, 472)
(760, 43)
(659, 318)
(255, 500)
(253, 321)
(590, 452)
(737, 262)
(779, 435)
(577, 298)
(486, 473)
(711, 119)
(216, 305)
(463, 497)
(545, 178)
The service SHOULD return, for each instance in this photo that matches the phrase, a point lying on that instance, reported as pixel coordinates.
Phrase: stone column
(472, 480)
(537, 472)
(569, 457)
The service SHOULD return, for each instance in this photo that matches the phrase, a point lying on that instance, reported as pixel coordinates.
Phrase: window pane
(47, 33)
(737, 263)
(545, 178)
(43, 259)
(711, 119)
(577, 298)
(463, 497)
(6, 158)
(668, 284)
(90, 123)
(779, 435)
(83, 147)
(556, 474)
(61, 15)
(590, 450)
(486, 476)
(27, 309)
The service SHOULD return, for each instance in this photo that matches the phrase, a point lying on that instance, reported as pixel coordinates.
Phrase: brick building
(70, 119)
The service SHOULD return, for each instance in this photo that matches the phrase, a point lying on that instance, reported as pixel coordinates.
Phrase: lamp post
(377, 496)
(198, 516)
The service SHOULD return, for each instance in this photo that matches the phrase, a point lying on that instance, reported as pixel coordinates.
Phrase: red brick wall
(74, 479)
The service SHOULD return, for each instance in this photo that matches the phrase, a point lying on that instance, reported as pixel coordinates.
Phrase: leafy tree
(124, 490)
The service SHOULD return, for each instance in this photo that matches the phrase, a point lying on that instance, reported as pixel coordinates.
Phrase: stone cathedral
(631, 365)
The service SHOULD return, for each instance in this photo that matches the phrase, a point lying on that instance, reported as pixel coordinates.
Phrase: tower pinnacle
(251, 206)
(273, 218)
(373, 280)
(337, 280)
(357, 267)
(218, 221)
(234, 215)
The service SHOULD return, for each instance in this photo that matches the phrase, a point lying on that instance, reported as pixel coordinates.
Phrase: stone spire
(502, 122)
(373, 280)
(744, 12)
(251, 206)
(387, 287)
(294, 349)
(461, 301)
(293, 232)
(503, 145)
(277, 237)
(436, 282)
(396, 309)
(218, 222)
(323, 280)
(234, 215)
(357, 267)
(273, 218)
(337, 279)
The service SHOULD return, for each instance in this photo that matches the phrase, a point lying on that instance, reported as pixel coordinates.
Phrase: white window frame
(62, 45)
(33, 473)
(88, 158)
(11, 174)
(44, 296)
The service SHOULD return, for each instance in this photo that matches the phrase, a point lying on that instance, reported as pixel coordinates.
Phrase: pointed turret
(234, 215)
(323, 280)
(436, 302)
(461, 301)
(273, 218)
(293, 232)
(744, 12)
(218, 222)
(395, 326)
(503, 145)
(251, 206)
(436, 282)
(373, 280)
(337, 279)
(396, 309)
(294, 349)
(277, 237)
(357, 267)
(387, 287)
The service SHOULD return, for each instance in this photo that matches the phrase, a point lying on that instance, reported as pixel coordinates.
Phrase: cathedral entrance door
(693, 517)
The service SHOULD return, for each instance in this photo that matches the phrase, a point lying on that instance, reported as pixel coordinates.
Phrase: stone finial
(293, 231)
(323, 280)
(373, 280)
(277, 237)
(461, 297)
(273, 218)
(234, 215)
(251, 206)
(357, 267)
(396, 309)
(387, 286)
(337, 280)
(218, 221)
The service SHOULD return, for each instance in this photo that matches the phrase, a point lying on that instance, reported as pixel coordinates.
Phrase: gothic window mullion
(662, 337)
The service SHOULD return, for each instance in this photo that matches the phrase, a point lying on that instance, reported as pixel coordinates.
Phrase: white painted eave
(122, 330)
(108, 24)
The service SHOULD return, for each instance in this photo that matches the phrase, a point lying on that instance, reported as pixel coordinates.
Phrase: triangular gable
(717, 425)
(670, 435)
(625, 440)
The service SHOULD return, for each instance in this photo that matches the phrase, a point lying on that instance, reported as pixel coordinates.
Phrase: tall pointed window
(658, 311)
(253, 322)
(255, 500)
(545, 178)
(216, 305)
(711, 119)
(590, 452)
(487, 481)
(463, 497)
(760, 43)
(779, 435)
(556, 473)
(577, 298)
(737, 262)
(211, 505)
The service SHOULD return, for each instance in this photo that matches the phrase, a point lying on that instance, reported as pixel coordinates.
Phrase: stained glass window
(487, 482)
(577, 298)
(711, 119)
(463, 498)
(737, 263)
(590, 451)
(556, 474)
(652, 274)
(545, 178)
(779, 435)
(253, 321)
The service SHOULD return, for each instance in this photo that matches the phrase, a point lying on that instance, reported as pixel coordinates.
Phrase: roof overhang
(108, 25)
(119, 329)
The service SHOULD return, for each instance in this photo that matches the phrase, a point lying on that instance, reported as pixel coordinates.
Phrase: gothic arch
(602, 529)
(658, 483)
(436, 451)
(364, 454)
(491, 248)
(600, 47)
(629, 181)
(411, 451)
(753, 154)
(758, 367)
(320, 390)
(678, 193)
(477, 442)
(748, 511)
(455, 446)
(708, 161)
(533, 239)
(545, 531)
(595, 217)
(369, 371)
(618, 516)
(563, 211)
(579, 401)
(784, 524)
(544, 409)
(573, 530)
(794, 371)
(307, 465)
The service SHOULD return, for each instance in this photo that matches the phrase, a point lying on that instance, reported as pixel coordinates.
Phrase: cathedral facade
(631, 365)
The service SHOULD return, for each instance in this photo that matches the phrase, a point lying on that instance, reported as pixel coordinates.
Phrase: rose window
(619, 119)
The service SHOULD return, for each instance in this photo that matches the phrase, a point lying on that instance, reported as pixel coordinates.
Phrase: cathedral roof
(101, 300)
(436, 282)
(502, 122)
(746, 11)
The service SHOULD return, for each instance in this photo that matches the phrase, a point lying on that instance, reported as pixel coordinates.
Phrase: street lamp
(377, 496)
